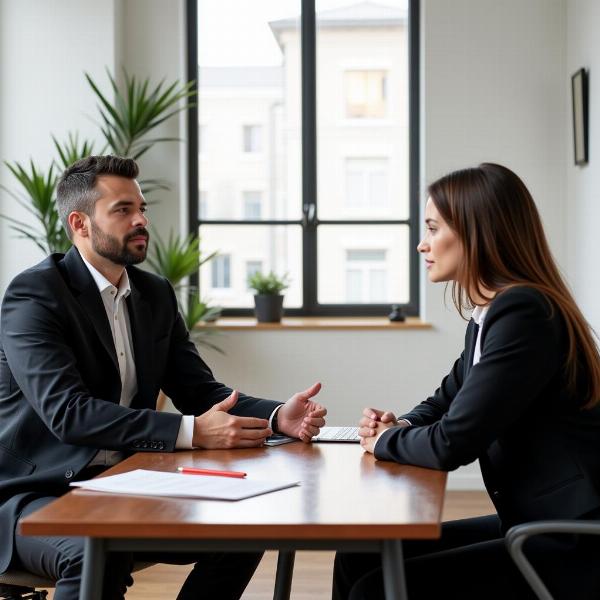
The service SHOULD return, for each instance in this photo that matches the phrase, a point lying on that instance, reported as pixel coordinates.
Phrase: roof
(363, 14)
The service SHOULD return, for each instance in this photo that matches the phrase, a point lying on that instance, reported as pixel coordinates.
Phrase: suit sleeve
(190, 384)
(45, 368)
(521, 352)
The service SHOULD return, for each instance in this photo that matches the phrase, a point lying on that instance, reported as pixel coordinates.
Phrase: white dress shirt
(118, 317)
(479, 317)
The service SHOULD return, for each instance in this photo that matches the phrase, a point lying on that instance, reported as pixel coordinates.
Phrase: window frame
(309, 221)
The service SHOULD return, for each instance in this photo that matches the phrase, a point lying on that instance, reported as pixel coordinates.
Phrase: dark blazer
(60, 384)
(539, 452)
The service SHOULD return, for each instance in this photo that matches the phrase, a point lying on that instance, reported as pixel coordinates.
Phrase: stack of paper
(158, 483)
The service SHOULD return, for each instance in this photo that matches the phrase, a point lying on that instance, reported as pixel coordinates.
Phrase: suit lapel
(470, 345)
(90, 300)
(140, 318)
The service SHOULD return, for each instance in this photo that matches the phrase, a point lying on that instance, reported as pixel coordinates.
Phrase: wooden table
(347, 501)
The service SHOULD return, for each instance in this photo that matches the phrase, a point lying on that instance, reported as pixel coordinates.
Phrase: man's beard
(109, 246)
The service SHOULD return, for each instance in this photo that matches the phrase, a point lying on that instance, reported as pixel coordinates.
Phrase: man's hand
(300, 417)
(372, 423)
(218, 429)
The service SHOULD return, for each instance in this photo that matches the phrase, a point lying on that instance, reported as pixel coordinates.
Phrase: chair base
(16, 592)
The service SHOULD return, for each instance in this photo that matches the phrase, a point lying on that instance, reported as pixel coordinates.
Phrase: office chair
(22, 585)
(516, 536)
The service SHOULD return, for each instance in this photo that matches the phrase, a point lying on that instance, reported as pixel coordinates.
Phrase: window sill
(320, 323)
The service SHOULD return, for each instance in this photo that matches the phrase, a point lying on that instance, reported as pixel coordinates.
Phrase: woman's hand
(372, 423)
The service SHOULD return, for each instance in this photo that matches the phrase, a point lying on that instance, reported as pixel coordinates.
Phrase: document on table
(142, 482)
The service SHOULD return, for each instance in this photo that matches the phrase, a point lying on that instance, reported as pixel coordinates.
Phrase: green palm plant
(137, 109)
(127, 120)
(72, 150)
(37, 196)
(38, 200)
(176, 259)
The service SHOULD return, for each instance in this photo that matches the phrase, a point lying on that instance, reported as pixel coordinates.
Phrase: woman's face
(441, 247)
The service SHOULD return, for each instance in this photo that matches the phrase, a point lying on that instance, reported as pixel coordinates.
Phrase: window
(366, 94)
(252, 205)
(366, 276)
(367, 183)
(324, 187)
(252, 138)
(221, 271)
(253, 266)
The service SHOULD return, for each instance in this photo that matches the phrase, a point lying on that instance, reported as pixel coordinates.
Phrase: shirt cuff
(186, 433)
(272, 417)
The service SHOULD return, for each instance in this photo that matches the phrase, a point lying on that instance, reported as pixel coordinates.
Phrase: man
(86, 342)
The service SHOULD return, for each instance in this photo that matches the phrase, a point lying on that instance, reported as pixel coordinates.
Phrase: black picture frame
(579, 95)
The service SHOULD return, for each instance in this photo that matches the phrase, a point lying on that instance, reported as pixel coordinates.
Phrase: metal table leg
(283, 578)
(394, 582)
(94, 559)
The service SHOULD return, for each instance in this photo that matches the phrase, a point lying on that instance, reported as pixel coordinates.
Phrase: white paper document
(177, 485)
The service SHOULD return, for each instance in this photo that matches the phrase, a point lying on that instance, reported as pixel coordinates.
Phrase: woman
(523, 398)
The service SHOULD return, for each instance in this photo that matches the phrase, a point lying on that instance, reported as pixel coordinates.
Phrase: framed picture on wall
(579, 93)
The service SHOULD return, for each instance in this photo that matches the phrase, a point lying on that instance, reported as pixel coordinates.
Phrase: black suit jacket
(60, 384)
(539, 452)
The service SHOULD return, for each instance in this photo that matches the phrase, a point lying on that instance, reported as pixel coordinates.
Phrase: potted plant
(268, 299)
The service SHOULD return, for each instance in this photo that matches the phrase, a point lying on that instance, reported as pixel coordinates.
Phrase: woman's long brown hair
(496, 219)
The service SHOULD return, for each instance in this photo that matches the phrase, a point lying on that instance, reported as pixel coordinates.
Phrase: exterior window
(366, 94)
(221, 271)
(367, 183)
(253, 266)
(252, 138)
(366, 276)
(252, 206)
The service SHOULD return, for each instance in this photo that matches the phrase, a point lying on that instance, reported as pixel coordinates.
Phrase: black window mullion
(192, 123)
(309, 155)
(414, 150)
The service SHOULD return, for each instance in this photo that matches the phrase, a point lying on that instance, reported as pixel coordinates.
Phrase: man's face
(118, 225)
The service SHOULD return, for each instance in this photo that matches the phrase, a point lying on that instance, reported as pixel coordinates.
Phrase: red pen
(195, 471)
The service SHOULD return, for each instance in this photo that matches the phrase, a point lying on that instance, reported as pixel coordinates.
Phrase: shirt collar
(104, 284)
(479, 313)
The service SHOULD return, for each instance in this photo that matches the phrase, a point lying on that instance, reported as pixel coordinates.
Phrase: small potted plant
(268, 299)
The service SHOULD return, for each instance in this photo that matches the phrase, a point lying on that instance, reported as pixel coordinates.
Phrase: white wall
(44, 49)
(494, 89)
(583, 183)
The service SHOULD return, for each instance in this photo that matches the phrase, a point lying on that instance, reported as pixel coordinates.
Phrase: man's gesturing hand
(218, 429)
(300, 416)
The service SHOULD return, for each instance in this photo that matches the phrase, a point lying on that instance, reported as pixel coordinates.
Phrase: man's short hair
(76, 189)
